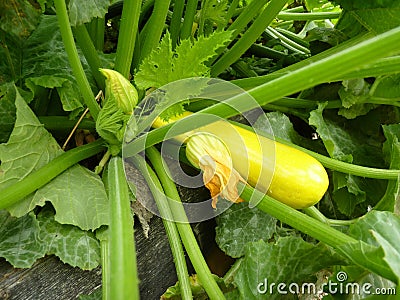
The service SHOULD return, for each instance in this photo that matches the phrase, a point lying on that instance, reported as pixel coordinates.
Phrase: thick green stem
(12, 194)
(292, 16)
(170, 227)
(288, 83)
(175, 26)
(250, 83)
(248, 14)
(127, 36)
(249, 37)
(73, 57)
(155, 26)
(311, 227)
(184, 228)
(202, 18)
(100, 29)
(88, 49)
(124, 283)
(190, 12)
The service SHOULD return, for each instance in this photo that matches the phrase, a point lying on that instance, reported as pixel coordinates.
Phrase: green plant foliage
(164, 65)
(240, 225)
(19, 17)
(378, 233)
(28, 238)
(30, 147)
(83, 11)
(289, 260)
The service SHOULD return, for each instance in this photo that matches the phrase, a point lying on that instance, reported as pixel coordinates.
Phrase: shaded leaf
(355, 141)
(19, 17)
(7, 110)
(45, 57)
(83, 11)
(239, 225)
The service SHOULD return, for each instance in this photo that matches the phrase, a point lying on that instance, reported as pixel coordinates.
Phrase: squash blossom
(228, 154)
(121, 90)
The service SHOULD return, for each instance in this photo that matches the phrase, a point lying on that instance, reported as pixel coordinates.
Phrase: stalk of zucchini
(227, 154)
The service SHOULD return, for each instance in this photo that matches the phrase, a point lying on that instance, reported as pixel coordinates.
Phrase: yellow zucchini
(286, 174)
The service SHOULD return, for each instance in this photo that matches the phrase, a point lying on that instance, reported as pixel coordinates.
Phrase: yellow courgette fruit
(285, 173)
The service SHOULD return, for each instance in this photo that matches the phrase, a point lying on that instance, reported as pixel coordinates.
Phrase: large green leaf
(19, 240)
(239, 225)
(83, 11)
(289, 260)
(73, 246)
(11, 57)
(377, 16)
(163, 65)
(283, 128)
(77, 195)
(379, 236)
(26, 239)
(343, 142)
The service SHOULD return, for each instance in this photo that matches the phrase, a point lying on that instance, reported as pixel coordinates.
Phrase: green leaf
(7, 110)
(379, 235)
(26, 239)
(77, 195)
(283, 128)
(174, 292)
(391, 200)
(46, 64)
(387, 87)
(19, 240)
(73, 246)
(83, 11)
(11, 54)
(350, 191)
(239, 225)
(377, 16)
(214, 11)
(356, 141)
(289, 260)
(96, 295)
(19, 17)
(354, 93)
(163, 65)
(380, 19)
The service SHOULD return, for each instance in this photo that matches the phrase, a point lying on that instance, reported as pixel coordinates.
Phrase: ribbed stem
(73, 57)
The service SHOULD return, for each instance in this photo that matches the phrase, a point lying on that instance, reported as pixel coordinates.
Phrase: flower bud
(121, 90)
